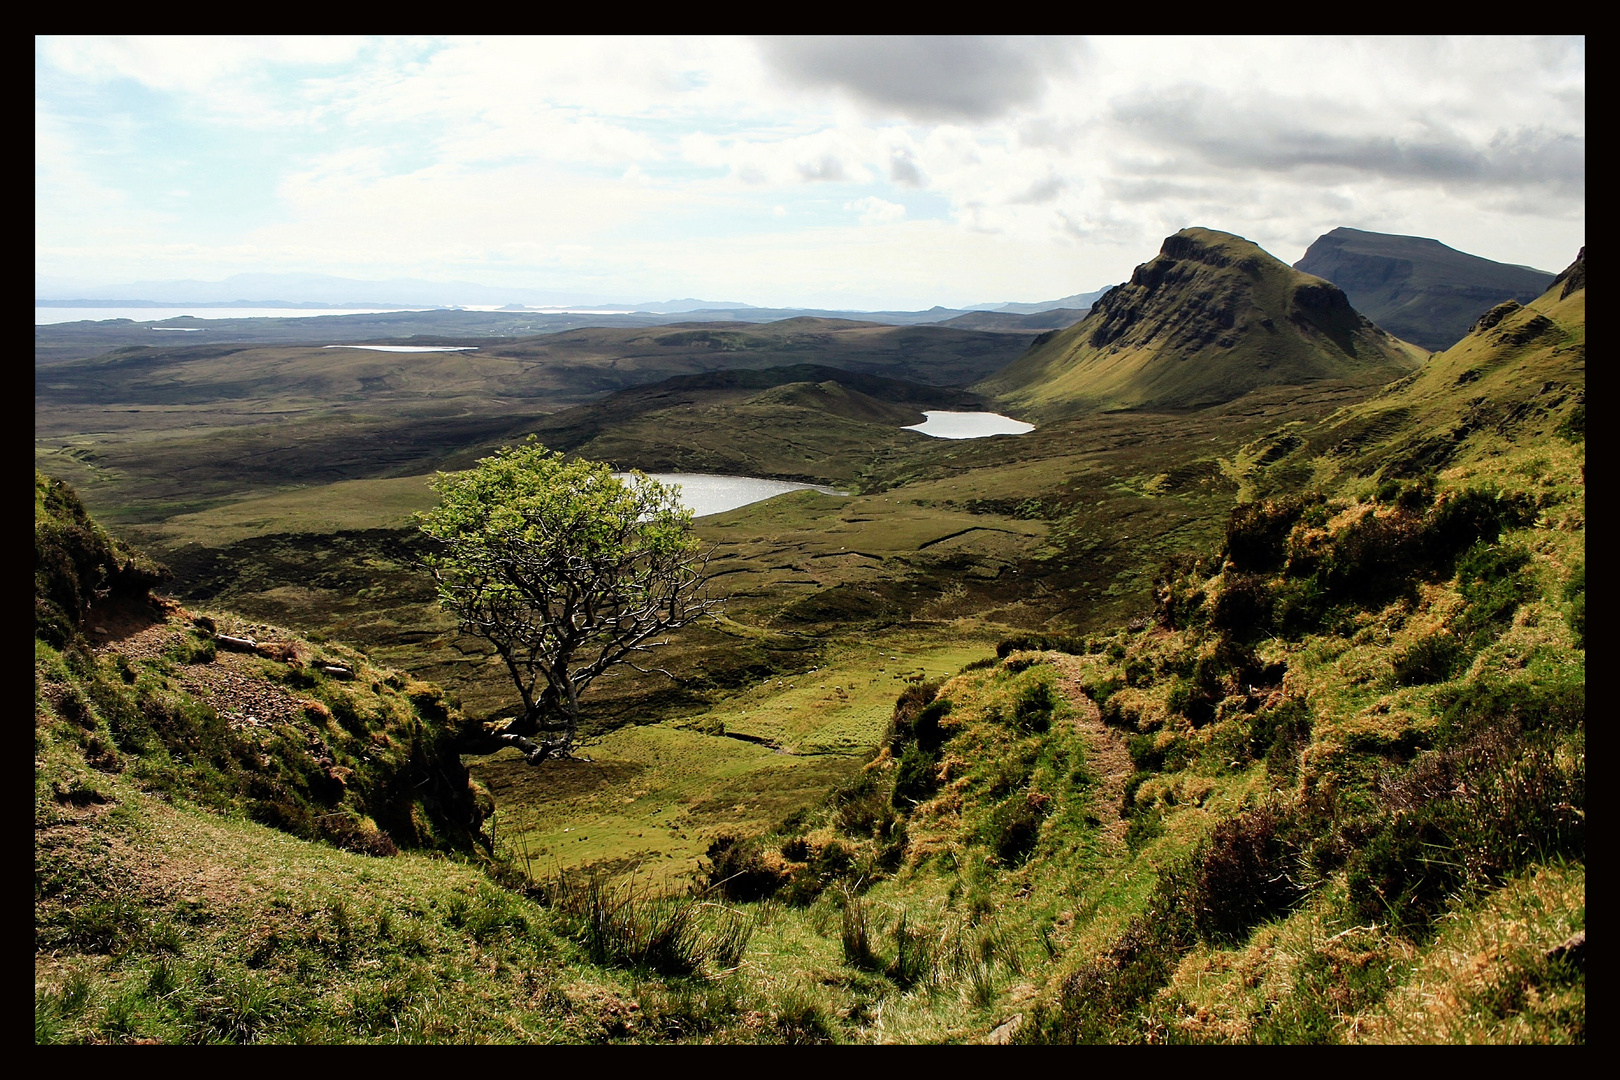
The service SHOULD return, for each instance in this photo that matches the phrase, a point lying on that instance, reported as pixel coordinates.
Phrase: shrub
(737, 870)
(911, 712)
(1575, 597)
(1257, 533)
(1032, 711)
(916, 777)
(1066, 643)
(1494, 797)
(1100, 1001)
(1242, 609)
(1279, 735)
(1014, 828)
(1430, 659)
(1493, 585)
(1243, 875)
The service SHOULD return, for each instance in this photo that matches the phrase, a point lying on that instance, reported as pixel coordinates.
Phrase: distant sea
(45, 315)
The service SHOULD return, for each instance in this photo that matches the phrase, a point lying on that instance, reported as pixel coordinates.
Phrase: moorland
(1241, 701)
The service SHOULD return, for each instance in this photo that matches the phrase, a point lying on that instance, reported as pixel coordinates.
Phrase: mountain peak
(1415, 287)
(1210, 318)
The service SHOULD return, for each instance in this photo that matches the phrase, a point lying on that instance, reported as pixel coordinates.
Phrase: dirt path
(1107, 756)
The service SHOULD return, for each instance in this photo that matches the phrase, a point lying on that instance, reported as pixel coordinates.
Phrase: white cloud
(876, 211)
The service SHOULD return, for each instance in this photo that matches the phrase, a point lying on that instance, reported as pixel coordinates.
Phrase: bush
(1431, 659)
(916, 777)
(1065, 643)
(1575, 597)
(737, 870)
(1243, 875)
(1500, 792)
(1493, 585)
(1032, 711)
(1242, 609)
(912, 712)
(1279, 735)
(1014, 828)
(1257, 533)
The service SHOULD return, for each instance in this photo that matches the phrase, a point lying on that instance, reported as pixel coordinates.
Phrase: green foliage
(1575, 597)
(1246, 873)
(77, 564)
(1066, 643)
(567, 570)
(1014, 828)
(1493, 584)
(1257, 533)
(916, 775)
(737, 869)
(1506, 786)
(1431, 659)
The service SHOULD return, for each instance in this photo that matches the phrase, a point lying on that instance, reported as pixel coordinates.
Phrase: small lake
(706, 494)
(968, 425)
(408, 348)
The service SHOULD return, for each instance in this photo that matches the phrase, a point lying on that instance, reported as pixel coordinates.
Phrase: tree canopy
(568, 570)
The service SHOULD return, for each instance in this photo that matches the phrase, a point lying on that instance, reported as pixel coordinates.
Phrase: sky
(867, 173)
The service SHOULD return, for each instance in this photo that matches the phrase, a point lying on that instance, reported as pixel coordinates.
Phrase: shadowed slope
(1416, 288)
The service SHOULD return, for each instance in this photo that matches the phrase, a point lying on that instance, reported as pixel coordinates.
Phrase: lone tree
(568, 571)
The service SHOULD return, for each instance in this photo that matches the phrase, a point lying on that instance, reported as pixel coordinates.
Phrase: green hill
(1416, 288)
(1208, 320)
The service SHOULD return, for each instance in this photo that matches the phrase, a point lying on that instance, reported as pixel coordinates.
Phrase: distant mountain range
(319, 291)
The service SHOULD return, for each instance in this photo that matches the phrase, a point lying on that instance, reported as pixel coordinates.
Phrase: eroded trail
(1107, 755)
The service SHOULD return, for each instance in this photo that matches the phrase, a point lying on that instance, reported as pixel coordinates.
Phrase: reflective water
(707, 494)
(407, 348)
(968, 425)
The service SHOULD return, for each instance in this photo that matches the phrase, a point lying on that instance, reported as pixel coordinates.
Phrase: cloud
(876, 211)
(925, 78)
(1276, 136)
(903, 169)
(825, 167)
(1042, 191)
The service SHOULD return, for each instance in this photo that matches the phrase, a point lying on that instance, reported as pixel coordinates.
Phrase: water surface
(707, 494)
(408, 348)
(942, 424)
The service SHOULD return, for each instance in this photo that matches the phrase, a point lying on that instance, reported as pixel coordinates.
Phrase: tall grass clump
(624, 925)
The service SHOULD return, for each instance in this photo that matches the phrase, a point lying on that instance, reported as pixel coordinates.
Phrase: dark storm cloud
(926, 78)
(1268, 139)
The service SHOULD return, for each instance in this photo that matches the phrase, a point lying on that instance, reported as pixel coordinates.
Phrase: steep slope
(1519, 375)
(1211, 318)
(1416, 288)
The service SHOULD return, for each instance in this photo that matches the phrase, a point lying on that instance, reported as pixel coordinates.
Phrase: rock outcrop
(1209, 319)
